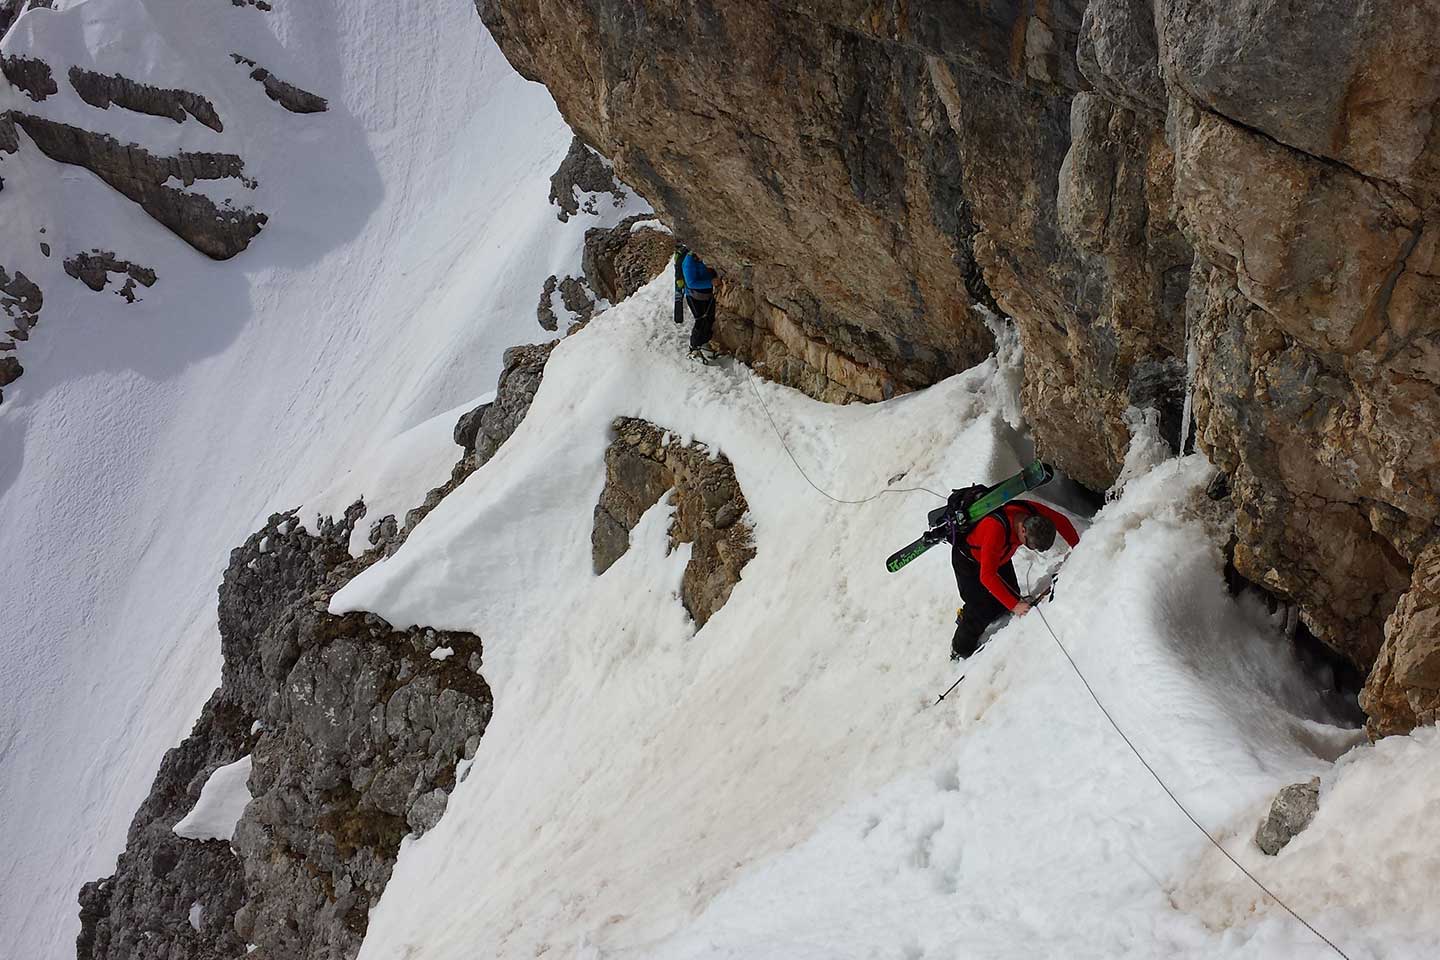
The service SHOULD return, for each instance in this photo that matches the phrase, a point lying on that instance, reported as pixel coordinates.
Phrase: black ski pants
(981, 607)
(704, 313)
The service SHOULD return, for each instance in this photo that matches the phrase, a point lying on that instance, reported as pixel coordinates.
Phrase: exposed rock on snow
(31, 75)
(288, 95)
(581, 178)
(140, 176)
(100, 90)
(21, 300)
(1107, 173)
(640, 467)
(621, 260)
(94, 268)
(1292, 811)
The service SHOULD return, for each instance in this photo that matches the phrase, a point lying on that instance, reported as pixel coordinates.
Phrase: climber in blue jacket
(700, 294)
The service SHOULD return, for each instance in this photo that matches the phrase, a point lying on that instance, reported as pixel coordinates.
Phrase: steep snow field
(779, 785)
(409, 237)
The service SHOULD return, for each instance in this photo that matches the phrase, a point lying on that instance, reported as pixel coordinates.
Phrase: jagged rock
(10, 371)
(576, 298)
(358, 736)
(482, 431)
(142, 910)
(545, 311)
(1404, 689)
(622, 259)
(141, 176)
(288, 95)
(1293, 809)
(100, 90)
(640, 467)
(94, 268)
(31, 75)
(257, 4)
(585, 172)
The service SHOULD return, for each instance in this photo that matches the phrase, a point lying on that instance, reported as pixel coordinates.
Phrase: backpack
(957, 529)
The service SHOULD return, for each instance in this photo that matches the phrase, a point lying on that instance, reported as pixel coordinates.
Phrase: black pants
(981, 607)
(704, 312)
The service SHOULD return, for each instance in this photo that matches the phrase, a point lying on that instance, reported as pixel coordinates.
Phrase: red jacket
(988, 543)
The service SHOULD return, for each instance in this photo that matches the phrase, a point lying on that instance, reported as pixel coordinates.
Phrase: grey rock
(10, 371)
(100, 90)
(584, 171)
(94, 268)
(1292, 810)
(545, 312)
(288, 95)
(577, 299)
(141, 176)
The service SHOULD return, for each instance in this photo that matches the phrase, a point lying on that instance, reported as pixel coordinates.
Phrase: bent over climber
(984, 572)
(700, 295)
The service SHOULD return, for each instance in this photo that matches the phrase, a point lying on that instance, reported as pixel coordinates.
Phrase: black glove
(934, 536)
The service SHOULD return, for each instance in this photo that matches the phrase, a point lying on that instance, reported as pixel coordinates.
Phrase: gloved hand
(934, 536)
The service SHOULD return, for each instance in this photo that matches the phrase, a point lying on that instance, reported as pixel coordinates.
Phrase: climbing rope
(1170, 793)
(773, 426)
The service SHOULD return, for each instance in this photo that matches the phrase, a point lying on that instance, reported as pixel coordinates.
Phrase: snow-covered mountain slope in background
(408, 239)
(779, 783)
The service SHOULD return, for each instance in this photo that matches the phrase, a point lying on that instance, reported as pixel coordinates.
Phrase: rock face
(1293, 809)
(142, 177)
(642, 464)
(100, 90)
(1404, 689)
(1218, 195)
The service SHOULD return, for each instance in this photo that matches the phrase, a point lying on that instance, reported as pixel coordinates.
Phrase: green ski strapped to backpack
(976, 503)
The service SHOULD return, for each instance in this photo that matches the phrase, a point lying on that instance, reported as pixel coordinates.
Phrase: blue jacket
(697, 275)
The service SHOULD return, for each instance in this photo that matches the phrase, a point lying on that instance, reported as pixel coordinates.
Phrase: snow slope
(780, 784)
(409, 237)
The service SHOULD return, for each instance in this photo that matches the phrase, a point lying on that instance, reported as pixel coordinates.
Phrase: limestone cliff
(1146, 187)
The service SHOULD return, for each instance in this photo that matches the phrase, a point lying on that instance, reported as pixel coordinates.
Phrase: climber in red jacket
(983, 570)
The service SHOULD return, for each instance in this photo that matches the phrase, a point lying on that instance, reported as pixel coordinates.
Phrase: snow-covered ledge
(222, 801)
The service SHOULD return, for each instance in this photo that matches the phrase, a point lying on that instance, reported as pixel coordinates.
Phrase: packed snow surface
(408, 241)
(781, 784)
(222, 801)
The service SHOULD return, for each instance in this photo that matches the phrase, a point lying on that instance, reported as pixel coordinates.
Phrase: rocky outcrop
(580, 180)
(144, 177)
(21, 300)
(94, 268)
(1163, 194)
(642, 464)
(1404, 688)
(356, 734)
(30, 75)
(624, 258)
(288, 95)
(100, 90)
(1292, 810)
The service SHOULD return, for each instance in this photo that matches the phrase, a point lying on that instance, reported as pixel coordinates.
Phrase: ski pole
(947, 692)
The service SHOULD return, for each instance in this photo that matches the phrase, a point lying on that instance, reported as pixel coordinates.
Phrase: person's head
(1037, 533)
